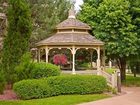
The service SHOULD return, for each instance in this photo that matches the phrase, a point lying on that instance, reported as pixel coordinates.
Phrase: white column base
(98, 72)
(73, 72)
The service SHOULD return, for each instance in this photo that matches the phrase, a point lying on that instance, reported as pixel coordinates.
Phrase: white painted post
(98, 61)
(113, 80)
(73, 56)
(119, 81)
(47, 52)
(110, 64)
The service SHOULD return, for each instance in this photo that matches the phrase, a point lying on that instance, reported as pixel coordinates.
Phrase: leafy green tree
(134, 60)
(112, 24)
(16, 42)
(46, 15)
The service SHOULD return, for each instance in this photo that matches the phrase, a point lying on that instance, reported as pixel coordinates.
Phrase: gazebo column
(98, 61)
(39, 55)
(110, 64)
(73, 59)
(91, 56)
(47, 54)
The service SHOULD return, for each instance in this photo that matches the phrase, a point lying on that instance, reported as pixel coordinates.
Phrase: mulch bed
(8, 95)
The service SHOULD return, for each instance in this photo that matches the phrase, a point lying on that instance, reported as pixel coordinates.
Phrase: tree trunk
(122, 66)
(134, 71)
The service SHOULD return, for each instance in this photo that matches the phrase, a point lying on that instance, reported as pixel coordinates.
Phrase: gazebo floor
(91, 72)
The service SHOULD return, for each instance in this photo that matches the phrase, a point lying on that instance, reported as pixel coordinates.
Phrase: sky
(78, 2)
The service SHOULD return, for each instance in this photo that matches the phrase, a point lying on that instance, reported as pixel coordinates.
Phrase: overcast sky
(78, 2)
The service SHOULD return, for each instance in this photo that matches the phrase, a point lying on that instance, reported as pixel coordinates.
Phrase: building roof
(71, 39)
(72, 23)
(71, 32)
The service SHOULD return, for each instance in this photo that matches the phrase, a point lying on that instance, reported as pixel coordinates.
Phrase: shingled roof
(72, 23)
(71, 32)
(70, 39)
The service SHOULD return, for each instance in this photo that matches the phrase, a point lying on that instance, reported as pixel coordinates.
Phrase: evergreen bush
(24, 69)
(42, 69)
(27, 69)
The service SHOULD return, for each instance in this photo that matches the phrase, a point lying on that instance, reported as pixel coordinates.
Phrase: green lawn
(58, 100)
(132, 81)
(110, 70)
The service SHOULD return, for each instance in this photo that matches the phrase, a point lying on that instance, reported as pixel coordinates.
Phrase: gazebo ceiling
(71, 39)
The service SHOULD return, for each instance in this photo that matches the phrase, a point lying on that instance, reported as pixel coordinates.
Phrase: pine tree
(16, 42)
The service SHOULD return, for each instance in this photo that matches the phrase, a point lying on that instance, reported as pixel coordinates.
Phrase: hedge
(60, 85)
(32, 89)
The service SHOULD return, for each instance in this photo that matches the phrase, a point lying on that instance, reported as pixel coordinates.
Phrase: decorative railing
(111, 78)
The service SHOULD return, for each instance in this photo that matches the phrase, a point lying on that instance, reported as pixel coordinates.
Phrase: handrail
(111, 78)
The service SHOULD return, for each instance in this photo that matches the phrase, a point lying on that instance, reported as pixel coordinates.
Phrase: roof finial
(72, 12)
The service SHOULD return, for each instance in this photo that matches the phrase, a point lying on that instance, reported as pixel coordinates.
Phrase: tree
(46, 15)
(134, 60)
(3, 8)
(16, 42)
(112, 24)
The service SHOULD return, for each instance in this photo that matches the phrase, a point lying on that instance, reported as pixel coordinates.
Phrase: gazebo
(72, 34)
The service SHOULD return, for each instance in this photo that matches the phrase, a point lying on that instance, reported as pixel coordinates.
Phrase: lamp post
(119, 81)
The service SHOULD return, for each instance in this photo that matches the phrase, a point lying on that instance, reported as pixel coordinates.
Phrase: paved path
(132, 97)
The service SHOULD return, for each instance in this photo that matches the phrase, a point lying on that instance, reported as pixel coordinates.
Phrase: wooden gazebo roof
(71, 39)
(71, 32)
(72, 23)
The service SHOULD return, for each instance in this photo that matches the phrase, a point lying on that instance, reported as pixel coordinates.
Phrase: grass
(131, 81)
(110, 70)
(58, 100)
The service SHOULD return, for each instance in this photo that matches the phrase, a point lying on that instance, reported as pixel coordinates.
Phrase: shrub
(24, 69)
(60, 85)
(60, 59)
(27, 69)
(45, 70)
(77, 84)
(30, 89)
